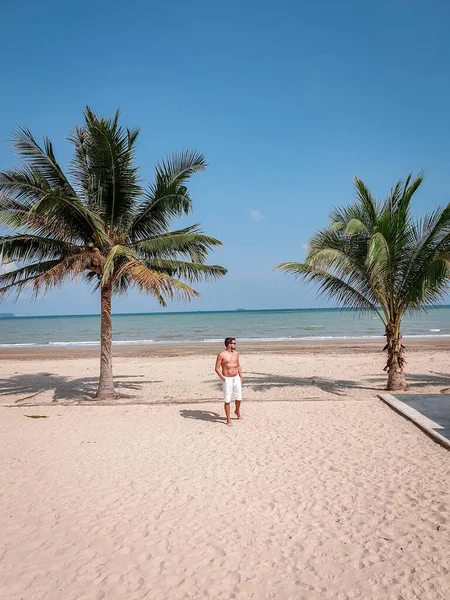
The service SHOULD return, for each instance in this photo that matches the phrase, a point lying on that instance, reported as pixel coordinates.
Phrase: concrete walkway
(430, 412)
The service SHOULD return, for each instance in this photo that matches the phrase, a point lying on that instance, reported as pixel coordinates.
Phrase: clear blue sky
(286, 99)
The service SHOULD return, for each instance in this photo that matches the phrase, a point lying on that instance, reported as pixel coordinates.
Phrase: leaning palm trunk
(106, 383)
(395, 362)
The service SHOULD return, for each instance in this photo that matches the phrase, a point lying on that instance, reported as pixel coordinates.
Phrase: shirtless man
(229, 371)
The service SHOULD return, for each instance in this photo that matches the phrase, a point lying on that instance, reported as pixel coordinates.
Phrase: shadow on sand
(202, 415)
(68, 390)
(260, 382)
(64, 388)
(419, 380)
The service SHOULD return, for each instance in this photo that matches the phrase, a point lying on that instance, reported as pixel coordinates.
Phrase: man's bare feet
(238, 415)
(230, 424)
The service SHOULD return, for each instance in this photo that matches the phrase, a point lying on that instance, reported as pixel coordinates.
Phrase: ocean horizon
(183, 327)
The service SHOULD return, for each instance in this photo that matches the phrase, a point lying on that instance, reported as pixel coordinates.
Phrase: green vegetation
(376, 256)
(98, 222)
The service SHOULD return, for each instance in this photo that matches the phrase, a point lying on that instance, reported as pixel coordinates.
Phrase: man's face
(233, 345)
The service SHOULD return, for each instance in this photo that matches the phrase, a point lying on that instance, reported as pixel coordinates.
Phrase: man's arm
(218, 365)
(239, 369)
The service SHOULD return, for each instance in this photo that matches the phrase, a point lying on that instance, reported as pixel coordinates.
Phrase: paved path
(430, 412)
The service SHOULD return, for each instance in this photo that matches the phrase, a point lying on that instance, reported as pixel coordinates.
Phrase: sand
(321, 491)
(185, 373)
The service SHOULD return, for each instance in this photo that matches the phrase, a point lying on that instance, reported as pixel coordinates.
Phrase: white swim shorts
(232, 386)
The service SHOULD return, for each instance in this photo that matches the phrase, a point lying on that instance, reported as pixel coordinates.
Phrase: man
(229, 371)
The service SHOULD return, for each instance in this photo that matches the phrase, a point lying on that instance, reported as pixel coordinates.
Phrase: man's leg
(237, 390)
(227, 391)
(237, 412)
(227, 412)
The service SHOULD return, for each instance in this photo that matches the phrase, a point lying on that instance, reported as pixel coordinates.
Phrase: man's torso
(229, 363)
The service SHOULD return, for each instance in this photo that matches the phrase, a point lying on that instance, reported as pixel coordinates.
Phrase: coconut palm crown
(98, 222)
(374, 255)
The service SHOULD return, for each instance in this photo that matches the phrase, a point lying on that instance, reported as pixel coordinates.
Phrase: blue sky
(287, 100)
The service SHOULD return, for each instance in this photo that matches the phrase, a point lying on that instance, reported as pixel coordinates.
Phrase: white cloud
(304, 247)
(256, 215)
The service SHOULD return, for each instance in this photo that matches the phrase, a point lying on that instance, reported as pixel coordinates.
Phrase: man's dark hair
(228, 341)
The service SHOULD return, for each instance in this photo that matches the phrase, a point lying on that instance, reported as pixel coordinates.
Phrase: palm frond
(14, 216)
(297, 269)
(178, 167)
(367, 255)
(69, 211)
(40, 277)
(429, 260)
(84, 182)
(18, 279)
(409, 189)
(190, 271)
(104, 163)
(31, 248)
(379, 261)
(168, 197)
(42, 160)
(190, 242)
(345, 256)
(367, 201)
(355, 226)
(103, 226)
(67, 269)
(430, 285)
(331, 286)
(92, 279)
(115, 253)
(160, 285)
(28, 189)
(430, 238)
(24, 185)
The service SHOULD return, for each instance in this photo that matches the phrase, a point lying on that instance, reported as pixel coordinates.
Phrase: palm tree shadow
(202, 415)
(64, 388)
(418, 380)
(259, 382)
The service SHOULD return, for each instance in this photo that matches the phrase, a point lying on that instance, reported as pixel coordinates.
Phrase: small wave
(311, 338)
(132, 342)
(97, 343)
(63, 344)
(427, 336)
(17, 345)
(304, 338)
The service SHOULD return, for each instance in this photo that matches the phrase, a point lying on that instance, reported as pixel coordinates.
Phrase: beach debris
(37, 416)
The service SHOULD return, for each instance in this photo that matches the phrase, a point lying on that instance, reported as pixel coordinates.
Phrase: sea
(212, 327)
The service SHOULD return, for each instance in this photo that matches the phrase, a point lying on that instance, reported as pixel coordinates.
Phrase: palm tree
(99, 223)
(375, 255)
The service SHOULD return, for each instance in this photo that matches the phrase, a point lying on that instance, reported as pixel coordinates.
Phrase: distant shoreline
(348, 346)
(206, 312)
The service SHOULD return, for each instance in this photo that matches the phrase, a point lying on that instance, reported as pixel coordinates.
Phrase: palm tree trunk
(106, 383)
(395, 362)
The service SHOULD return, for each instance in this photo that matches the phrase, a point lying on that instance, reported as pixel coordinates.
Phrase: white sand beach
(320, 492)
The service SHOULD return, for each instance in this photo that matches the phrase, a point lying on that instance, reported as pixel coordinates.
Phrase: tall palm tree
(98, 222)
(375, 255)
